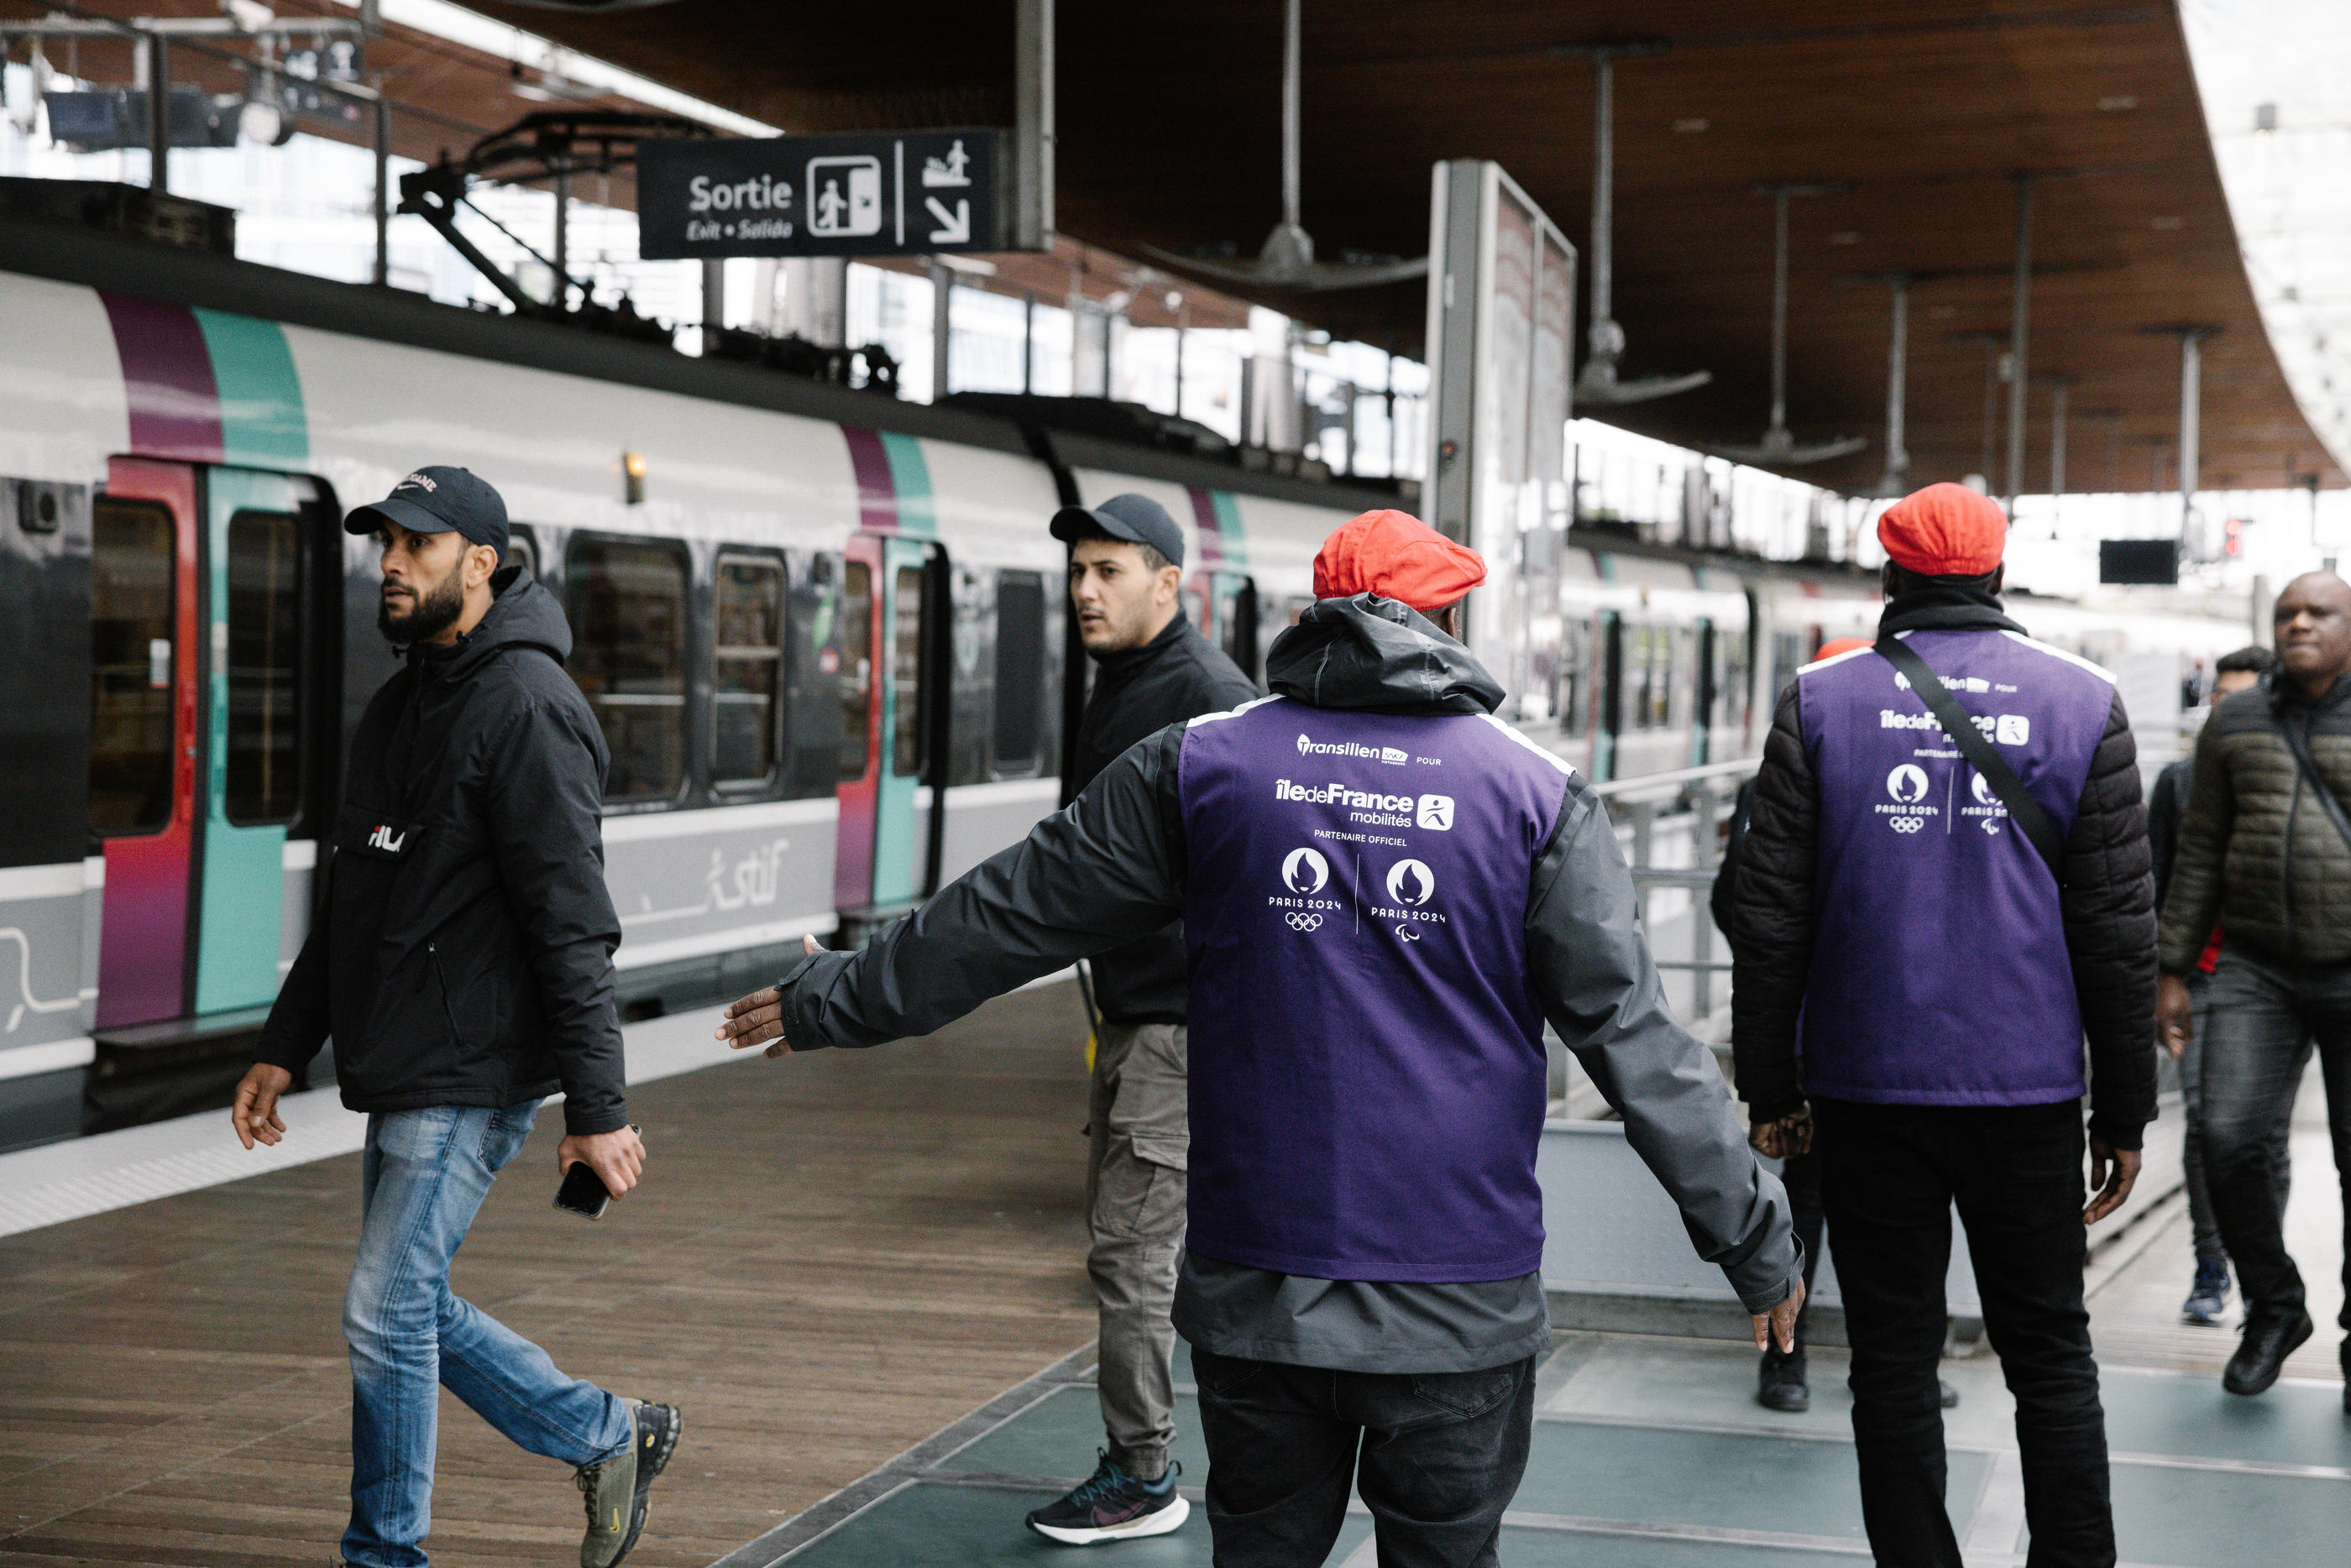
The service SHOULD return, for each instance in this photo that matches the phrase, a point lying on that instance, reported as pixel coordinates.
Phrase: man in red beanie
(1385, 892)
(1943, 888)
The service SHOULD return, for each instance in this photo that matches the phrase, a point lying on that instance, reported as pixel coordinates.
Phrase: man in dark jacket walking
(1899, 927)
(1386, 891)
(1152, 669)
(2265, 852)
(462, 961)
(2167, 806)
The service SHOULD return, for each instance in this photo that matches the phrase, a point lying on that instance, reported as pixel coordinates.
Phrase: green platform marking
(979, 1527)
(1574, 1549)
(1059, 1434)
(2228, 1518)
(1788, 1486)
(262, 424)
(2195, 1417)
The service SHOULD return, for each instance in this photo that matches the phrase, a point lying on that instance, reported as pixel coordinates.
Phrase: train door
(881, 637)
(1229, 616)
(1611, 695)
(197, 752)
(1702, 711)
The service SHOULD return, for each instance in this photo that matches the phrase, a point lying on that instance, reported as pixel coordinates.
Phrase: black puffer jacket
(463, 953)
(2258, 855)
(1176, 676)
(2108, 901)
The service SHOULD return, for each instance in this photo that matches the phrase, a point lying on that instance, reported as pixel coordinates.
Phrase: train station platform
(861, 1274)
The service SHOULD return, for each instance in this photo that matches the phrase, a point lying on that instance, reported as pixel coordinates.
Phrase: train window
(1019, 668)
(1236, 611)
(627, 604)
(748, 670)
(906, 748)
(855, 627)
(130, 667)
(264, 667)
(522, 550)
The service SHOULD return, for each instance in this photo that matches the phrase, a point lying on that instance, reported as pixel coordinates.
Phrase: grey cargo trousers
(1134, 1212)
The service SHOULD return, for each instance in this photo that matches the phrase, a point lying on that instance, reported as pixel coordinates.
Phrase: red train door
(142, 765)
(857, 636)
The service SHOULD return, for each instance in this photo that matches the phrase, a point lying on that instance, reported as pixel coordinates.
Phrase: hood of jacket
(1375, 653)
(523, 614)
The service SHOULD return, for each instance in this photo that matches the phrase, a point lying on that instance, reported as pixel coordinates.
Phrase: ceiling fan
(1286, 258)
(1777, 445)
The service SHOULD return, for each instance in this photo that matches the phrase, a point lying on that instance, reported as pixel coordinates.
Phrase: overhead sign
(914, 192)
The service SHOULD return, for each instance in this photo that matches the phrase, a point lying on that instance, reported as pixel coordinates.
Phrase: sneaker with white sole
(1112, 1505)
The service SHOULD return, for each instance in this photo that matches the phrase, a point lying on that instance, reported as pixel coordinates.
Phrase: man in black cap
(462, 960)
(1152, 669)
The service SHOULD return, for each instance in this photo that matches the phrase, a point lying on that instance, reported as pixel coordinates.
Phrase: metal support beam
(942, 325)
(1897, 382)
(2020, 384)
(380, 120)
(563, 240)
(1291, 155)
(158, 112)
(714, 302)
(2191, 420)
(2058, 388)
(1032, 125)
(1028, 350)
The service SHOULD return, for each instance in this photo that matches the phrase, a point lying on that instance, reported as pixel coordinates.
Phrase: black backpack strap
(2022, 809)
(2297, 741)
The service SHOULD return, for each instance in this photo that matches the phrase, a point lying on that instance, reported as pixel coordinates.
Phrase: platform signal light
(2234, 544)
(632, 477)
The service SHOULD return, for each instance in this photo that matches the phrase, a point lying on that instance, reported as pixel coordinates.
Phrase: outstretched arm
(1598, 985)
(1104, 870)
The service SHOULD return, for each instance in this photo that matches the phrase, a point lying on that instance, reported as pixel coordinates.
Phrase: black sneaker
(654, 1430)
(2268, 1337)
(1779, 1385)
(1114, 1506)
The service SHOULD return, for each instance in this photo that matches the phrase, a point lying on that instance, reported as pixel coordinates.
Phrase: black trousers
(1889, 1176)
(1436, 1457)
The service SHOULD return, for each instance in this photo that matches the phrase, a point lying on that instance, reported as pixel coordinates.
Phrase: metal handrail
(1661, 784)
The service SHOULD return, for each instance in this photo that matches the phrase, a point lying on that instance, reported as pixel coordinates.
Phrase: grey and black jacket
(1138, 692)
(2257, 853)
(1113, 864)
(463, 953)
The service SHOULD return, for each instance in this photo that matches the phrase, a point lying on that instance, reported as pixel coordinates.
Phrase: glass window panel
(855, 627)
(1019, 667)
(264, 667)
(748, 670)
(130, 667)
(906, 747)
(520, 552)
(627, 605)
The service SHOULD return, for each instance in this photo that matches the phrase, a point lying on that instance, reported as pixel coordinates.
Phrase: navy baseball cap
(1137, 519)
(438, 500)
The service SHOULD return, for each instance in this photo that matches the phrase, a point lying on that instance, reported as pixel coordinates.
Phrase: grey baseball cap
(1135, 518)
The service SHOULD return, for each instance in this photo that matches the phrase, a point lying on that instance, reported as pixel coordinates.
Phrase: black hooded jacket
(1138, 692)
(463, 953)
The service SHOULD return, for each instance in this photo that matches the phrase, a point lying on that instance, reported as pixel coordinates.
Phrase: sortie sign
(913, 192)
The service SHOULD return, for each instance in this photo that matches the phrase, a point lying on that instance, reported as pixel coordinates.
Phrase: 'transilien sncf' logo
(1307, 748)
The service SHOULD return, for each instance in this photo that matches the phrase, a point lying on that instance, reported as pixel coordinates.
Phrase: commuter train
(822, 630)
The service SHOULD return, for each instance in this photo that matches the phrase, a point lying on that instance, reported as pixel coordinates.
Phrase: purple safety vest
(1367, 1074)
(1940, 974)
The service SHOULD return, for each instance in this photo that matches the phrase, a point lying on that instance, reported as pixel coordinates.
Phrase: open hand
(2112, 1173)
(758, 1018)
(254, 1112)
(1780, 1323)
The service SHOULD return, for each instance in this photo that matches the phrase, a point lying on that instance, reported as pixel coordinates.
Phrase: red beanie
(1943, 531)
(1397, 556)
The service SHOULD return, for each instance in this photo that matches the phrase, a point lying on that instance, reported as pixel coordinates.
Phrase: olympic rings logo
(1909, 824)
(1304, 923)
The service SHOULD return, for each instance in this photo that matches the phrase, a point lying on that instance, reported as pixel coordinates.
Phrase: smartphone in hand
(583, 1192)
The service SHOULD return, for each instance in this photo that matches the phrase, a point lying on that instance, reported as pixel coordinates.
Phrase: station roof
(1168, 137)
(1922, 112)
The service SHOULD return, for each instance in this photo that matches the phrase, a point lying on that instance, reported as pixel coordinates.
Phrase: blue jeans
(422, 1181)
